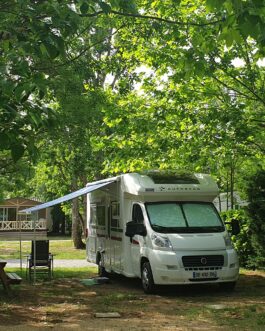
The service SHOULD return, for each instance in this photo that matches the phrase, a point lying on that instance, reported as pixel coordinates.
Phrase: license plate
(204, 274)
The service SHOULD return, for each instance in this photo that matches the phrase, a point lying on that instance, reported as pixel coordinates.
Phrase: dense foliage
(242, 242)
(94, 88)
(256, 213)
(250, 242)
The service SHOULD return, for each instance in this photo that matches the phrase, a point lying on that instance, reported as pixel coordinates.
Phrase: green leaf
(115, 3)
(17, 152)
(52, 50)
(128, 6)
(60, 45)
(4, 140)
(84, 8)
(250, 25)
(212, 5)
(105, 7)
(236, 36)
(24, 96)
(6, 45)
(35, 118)
(41, 94)
(43, 50)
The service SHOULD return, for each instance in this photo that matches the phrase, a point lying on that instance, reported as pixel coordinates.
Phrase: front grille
(203, 261)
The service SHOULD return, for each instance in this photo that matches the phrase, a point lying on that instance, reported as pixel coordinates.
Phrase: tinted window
(137, 214)
(181, 217)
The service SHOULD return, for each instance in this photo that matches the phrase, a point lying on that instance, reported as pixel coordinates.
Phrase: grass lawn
(62, 249)
(65, 303)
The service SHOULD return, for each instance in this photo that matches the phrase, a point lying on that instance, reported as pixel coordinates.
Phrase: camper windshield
(184, 217)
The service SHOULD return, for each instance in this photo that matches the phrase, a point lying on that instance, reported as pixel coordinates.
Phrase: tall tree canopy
(94, 88)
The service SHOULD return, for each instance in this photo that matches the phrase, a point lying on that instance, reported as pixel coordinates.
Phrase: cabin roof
(19, 202)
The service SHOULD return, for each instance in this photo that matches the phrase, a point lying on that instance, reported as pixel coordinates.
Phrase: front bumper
(168, 268)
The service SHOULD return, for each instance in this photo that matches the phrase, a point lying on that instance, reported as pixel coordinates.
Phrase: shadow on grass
(65, 300)
(59, 272)
(248, 285)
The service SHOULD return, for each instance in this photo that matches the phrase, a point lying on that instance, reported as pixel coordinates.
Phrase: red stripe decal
(101, 235)
(116, 238)
(135, 242)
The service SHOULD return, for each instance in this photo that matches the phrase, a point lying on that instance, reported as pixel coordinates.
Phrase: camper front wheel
(147, 278)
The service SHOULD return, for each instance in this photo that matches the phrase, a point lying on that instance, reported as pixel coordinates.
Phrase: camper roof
(193, 186)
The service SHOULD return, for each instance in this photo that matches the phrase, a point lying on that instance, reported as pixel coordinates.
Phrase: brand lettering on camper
(175, 189)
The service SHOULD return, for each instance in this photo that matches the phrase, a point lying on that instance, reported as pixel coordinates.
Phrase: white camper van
(162, 228)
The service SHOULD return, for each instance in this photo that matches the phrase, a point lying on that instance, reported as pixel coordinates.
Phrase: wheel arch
(143, 260)
(99, 257)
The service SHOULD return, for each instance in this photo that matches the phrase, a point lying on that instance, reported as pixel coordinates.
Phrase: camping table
(3, 275)
(8, 278)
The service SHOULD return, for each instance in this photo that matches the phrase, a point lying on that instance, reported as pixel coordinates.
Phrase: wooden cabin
(15, 225)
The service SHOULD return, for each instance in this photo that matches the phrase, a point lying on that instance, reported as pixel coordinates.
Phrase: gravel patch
(15, 263)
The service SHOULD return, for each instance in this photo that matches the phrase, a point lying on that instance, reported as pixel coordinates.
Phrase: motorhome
(162, 228)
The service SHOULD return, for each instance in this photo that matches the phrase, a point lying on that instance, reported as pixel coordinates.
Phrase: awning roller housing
(91, 187)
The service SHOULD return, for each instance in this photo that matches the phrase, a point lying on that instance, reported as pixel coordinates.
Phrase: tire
(228, 286)
(101, 269)
(147, 278)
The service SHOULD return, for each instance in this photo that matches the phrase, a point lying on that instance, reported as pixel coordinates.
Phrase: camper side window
(93, 214)
(115, 215)
(137, 214)
(101, 215)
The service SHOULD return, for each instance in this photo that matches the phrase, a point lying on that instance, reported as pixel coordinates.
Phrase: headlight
(161, 242)
(228, 242)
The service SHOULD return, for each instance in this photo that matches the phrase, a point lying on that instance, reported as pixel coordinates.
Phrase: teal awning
(91, 187)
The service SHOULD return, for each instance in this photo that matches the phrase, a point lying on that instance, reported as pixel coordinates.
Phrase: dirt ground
(67, 304)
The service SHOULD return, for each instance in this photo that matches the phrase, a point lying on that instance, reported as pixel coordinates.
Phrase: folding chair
(43, 259)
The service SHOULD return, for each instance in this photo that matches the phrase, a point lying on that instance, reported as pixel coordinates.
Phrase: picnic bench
(8, 278)
(13, 278)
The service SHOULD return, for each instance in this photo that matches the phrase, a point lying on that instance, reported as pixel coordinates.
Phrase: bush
(242, 242)
(256, 211)
(250, 243)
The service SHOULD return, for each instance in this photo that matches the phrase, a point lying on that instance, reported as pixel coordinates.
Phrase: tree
(256, 210)
(33, 35)
(70, 74)
(67, 159)
(213, 106)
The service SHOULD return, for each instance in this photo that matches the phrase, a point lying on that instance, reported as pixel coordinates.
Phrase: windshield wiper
(159, 228)
(217, 228)
(192, 229)
(204, 229)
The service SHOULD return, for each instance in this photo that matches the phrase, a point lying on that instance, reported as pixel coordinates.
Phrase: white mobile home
(161, 228)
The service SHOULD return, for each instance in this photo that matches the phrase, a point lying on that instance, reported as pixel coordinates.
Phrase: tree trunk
(232, 185)
(227, 192)
(220, 203)
(76, 226)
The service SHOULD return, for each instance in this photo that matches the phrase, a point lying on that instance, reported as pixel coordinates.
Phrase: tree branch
(71, 60)
(247, 87)
(260, 123)
(150, 17)
(243, 84)
(233, 89)
(90, 46)
(261, 148)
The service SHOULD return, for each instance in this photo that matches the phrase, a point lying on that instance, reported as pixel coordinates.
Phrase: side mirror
(235, 226)
(133, 228)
